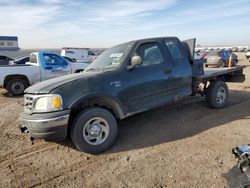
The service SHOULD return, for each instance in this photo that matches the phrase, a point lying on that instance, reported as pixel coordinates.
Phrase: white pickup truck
(42, 66)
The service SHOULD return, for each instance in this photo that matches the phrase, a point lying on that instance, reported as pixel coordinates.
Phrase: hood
(47, 86)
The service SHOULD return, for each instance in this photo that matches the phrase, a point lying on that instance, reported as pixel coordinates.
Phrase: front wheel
(217, 94)
(94, 130)
(16, 87)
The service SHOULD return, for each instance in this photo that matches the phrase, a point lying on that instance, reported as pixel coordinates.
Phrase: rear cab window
(173, 49)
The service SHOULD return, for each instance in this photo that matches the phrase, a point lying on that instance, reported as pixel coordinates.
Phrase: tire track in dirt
(76, 167)
(27, 153)
(81, 165)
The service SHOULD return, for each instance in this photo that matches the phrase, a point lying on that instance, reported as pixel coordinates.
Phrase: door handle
(167, 71)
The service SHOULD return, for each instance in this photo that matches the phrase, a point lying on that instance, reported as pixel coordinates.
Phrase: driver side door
(147, 84)
(54, 66)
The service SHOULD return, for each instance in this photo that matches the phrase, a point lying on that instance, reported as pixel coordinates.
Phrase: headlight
(48, 103)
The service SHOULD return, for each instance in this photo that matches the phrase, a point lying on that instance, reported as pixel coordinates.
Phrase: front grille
(28, 103)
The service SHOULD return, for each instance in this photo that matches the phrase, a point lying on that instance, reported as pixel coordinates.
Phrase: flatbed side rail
(232, 74)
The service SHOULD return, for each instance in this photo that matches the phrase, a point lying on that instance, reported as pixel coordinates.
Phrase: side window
(90, 53)
(173, 50)
(150, 54)
(51, 59)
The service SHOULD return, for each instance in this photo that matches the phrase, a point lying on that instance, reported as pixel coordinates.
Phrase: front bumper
(48, 126)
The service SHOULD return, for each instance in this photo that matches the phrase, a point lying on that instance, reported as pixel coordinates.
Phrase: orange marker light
(57, 102)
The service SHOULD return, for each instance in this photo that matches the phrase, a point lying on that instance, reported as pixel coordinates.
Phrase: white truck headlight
(48, 103)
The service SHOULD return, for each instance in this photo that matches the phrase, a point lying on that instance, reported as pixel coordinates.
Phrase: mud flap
(236, 76)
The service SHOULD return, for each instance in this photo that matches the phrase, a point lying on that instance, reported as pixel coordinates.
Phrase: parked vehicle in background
(248, 54)
(242, 49)
(84, 55)
(71, 60)
(126, 79)
(19, 60)
(4, 60)
(235, 49)
(219, 58)
(42, 66)
(203, 54)
(234, 57)
(197, 55)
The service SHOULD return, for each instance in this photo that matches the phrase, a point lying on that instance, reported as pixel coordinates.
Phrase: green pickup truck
(124, 80)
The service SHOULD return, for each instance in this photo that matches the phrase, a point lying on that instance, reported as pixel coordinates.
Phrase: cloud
(117, 9)
(24, 17)
(61, 22)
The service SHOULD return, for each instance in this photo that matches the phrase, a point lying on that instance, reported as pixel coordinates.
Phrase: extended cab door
(180, 67)
(53, 66)
(148, 85)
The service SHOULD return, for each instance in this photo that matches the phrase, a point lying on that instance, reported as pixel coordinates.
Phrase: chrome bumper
(49, 126)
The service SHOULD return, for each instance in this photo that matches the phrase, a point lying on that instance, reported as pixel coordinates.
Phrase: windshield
(111, 58)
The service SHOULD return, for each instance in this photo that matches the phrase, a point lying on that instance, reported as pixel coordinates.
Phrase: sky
(104, 23)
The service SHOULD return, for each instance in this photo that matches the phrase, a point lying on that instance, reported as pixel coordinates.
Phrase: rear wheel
(94, 130)
(217, 94)
(16, 86)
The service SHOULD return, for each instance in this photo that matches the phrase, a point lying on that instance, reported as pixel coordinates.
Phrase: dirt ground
(185, 144)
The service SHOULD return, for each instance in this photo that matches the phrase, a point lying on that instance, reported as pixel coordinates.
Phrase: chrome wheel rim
(17, 87)
(221, 95)
(96, 131)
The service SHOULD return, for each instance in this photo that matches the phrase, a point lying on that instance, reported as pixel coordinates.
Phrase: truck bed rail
(211, 73)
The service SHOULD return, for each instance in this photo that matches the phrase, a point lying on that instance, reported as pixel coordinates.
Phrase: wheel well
(19, 76)
(103, 102)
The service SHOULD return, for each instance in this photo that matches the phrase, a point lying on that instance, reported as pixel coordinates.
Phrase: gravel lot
(185, 144)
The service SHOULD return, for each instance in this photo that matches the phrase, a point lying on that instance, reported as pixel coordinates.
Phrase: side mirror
(135, 60)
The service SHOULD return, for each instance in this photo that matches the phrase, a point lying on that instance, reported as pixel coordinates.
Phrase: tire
(217, 94)
(94, 130)
(16, 86)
